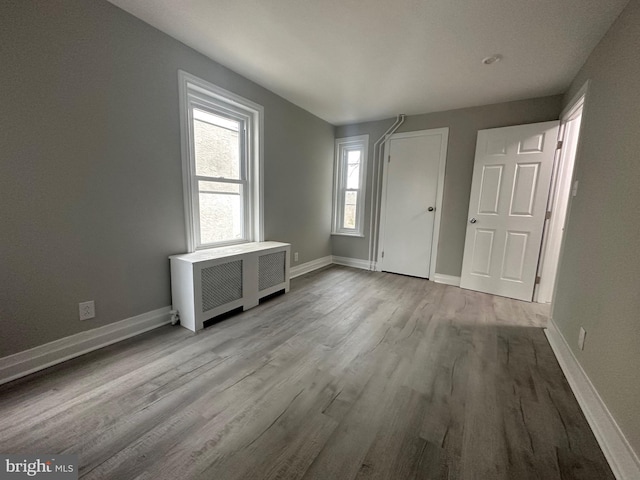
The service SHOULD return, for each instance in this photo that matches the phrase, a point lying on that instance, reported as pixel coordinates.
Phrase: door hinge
(538, 280)
(389, 159)
(382, 254)
(548, 216)
(559, 146)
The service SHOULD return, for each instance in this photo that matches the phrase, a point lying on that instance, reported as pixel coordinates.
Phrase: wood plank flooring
(351, 375)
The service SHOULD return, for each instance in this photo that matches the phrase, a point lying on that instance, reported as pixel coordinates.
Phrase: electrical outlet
(295, 257)
(87, 310)
(581, 338)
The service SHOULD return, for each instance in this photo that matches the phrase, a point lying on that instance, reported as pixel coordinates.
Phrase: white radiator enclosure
(207, 283)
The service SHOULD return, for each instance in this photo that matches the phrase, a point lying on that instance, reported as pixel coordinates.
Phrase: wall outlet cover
(581, 337)
(87, 310)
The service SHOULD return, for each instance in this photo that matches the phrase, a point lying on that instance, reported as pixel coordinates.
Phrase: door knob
(473, 220)
(430, 209)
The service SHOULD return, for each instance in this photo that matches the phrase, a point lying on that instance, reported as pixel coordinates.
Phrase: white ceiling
(355, 60)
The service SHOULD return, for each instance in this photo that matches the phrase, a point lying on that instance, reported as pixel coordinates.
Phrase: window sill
(227, 251)
(343, 234)
(231, 243)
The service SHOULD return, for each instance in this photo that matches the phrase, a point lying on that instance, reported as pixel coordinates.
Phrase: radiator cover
(207, 283)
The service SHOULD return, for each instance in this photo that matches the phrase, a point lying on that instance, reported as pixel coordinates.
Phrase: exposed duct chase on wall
(208, 283)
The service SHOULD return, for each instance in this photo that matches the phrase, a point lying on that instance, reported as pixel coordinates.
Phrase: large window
(349, 185)
(221, 134)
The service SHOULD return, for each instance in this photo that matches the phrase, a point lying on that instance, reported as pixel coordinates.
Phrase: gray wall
(90, 170)
(599, 275)
(463, 128)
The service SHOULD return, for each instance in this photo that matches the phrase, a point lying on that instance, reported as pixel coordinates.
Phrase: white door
(509, 192)
(412, 195)
(559, 202)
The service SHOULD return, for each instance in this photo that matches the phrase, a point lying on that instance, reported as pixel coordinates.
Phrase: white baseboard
(622, 459)
(38, 358)
(352, 262)
(310, 266)
(446, 279)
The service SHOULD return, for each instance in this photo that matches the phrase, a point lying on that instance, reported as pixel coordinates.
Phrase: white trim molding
(198, 94)
(344, 146)
(352, 262)
(446, 279)
(361, 264)
(622, 459)
(38, 358)
(310, 266)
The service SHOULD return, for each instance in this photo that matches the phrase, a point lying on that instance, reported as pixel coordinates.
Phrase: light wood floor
(350, 375)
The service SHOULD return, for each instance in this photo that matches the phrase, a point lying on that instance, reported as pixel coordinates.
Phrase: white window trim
(193, 88)
(342, 144)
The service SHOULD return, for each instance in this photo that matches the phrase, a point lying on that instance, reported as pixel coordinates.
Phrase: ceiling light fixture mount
(492, 59)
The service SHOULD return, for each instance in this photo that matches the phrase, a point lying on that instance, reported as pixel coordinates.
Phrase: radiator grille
(271, 270)
(221, 284)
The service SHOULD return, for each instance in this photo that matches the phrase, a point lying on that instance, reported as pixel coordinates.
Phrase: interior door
(409, 201)
(559, 207)
(509, 192)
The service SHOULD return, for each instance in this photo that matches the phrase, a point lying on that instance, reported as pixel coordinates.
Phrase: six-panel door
(509, 193)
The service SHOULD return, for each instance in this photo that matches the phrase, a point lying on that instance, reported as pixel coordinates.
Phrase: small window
(221, 135)
(349, 185)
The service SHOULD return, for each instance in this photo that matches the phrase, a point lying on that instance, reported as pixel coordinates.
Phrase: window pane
(353, 175)
(353, 156)
(216, 144)
(218, 187)
(350, 205)
(220, 212)
(353, 168)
